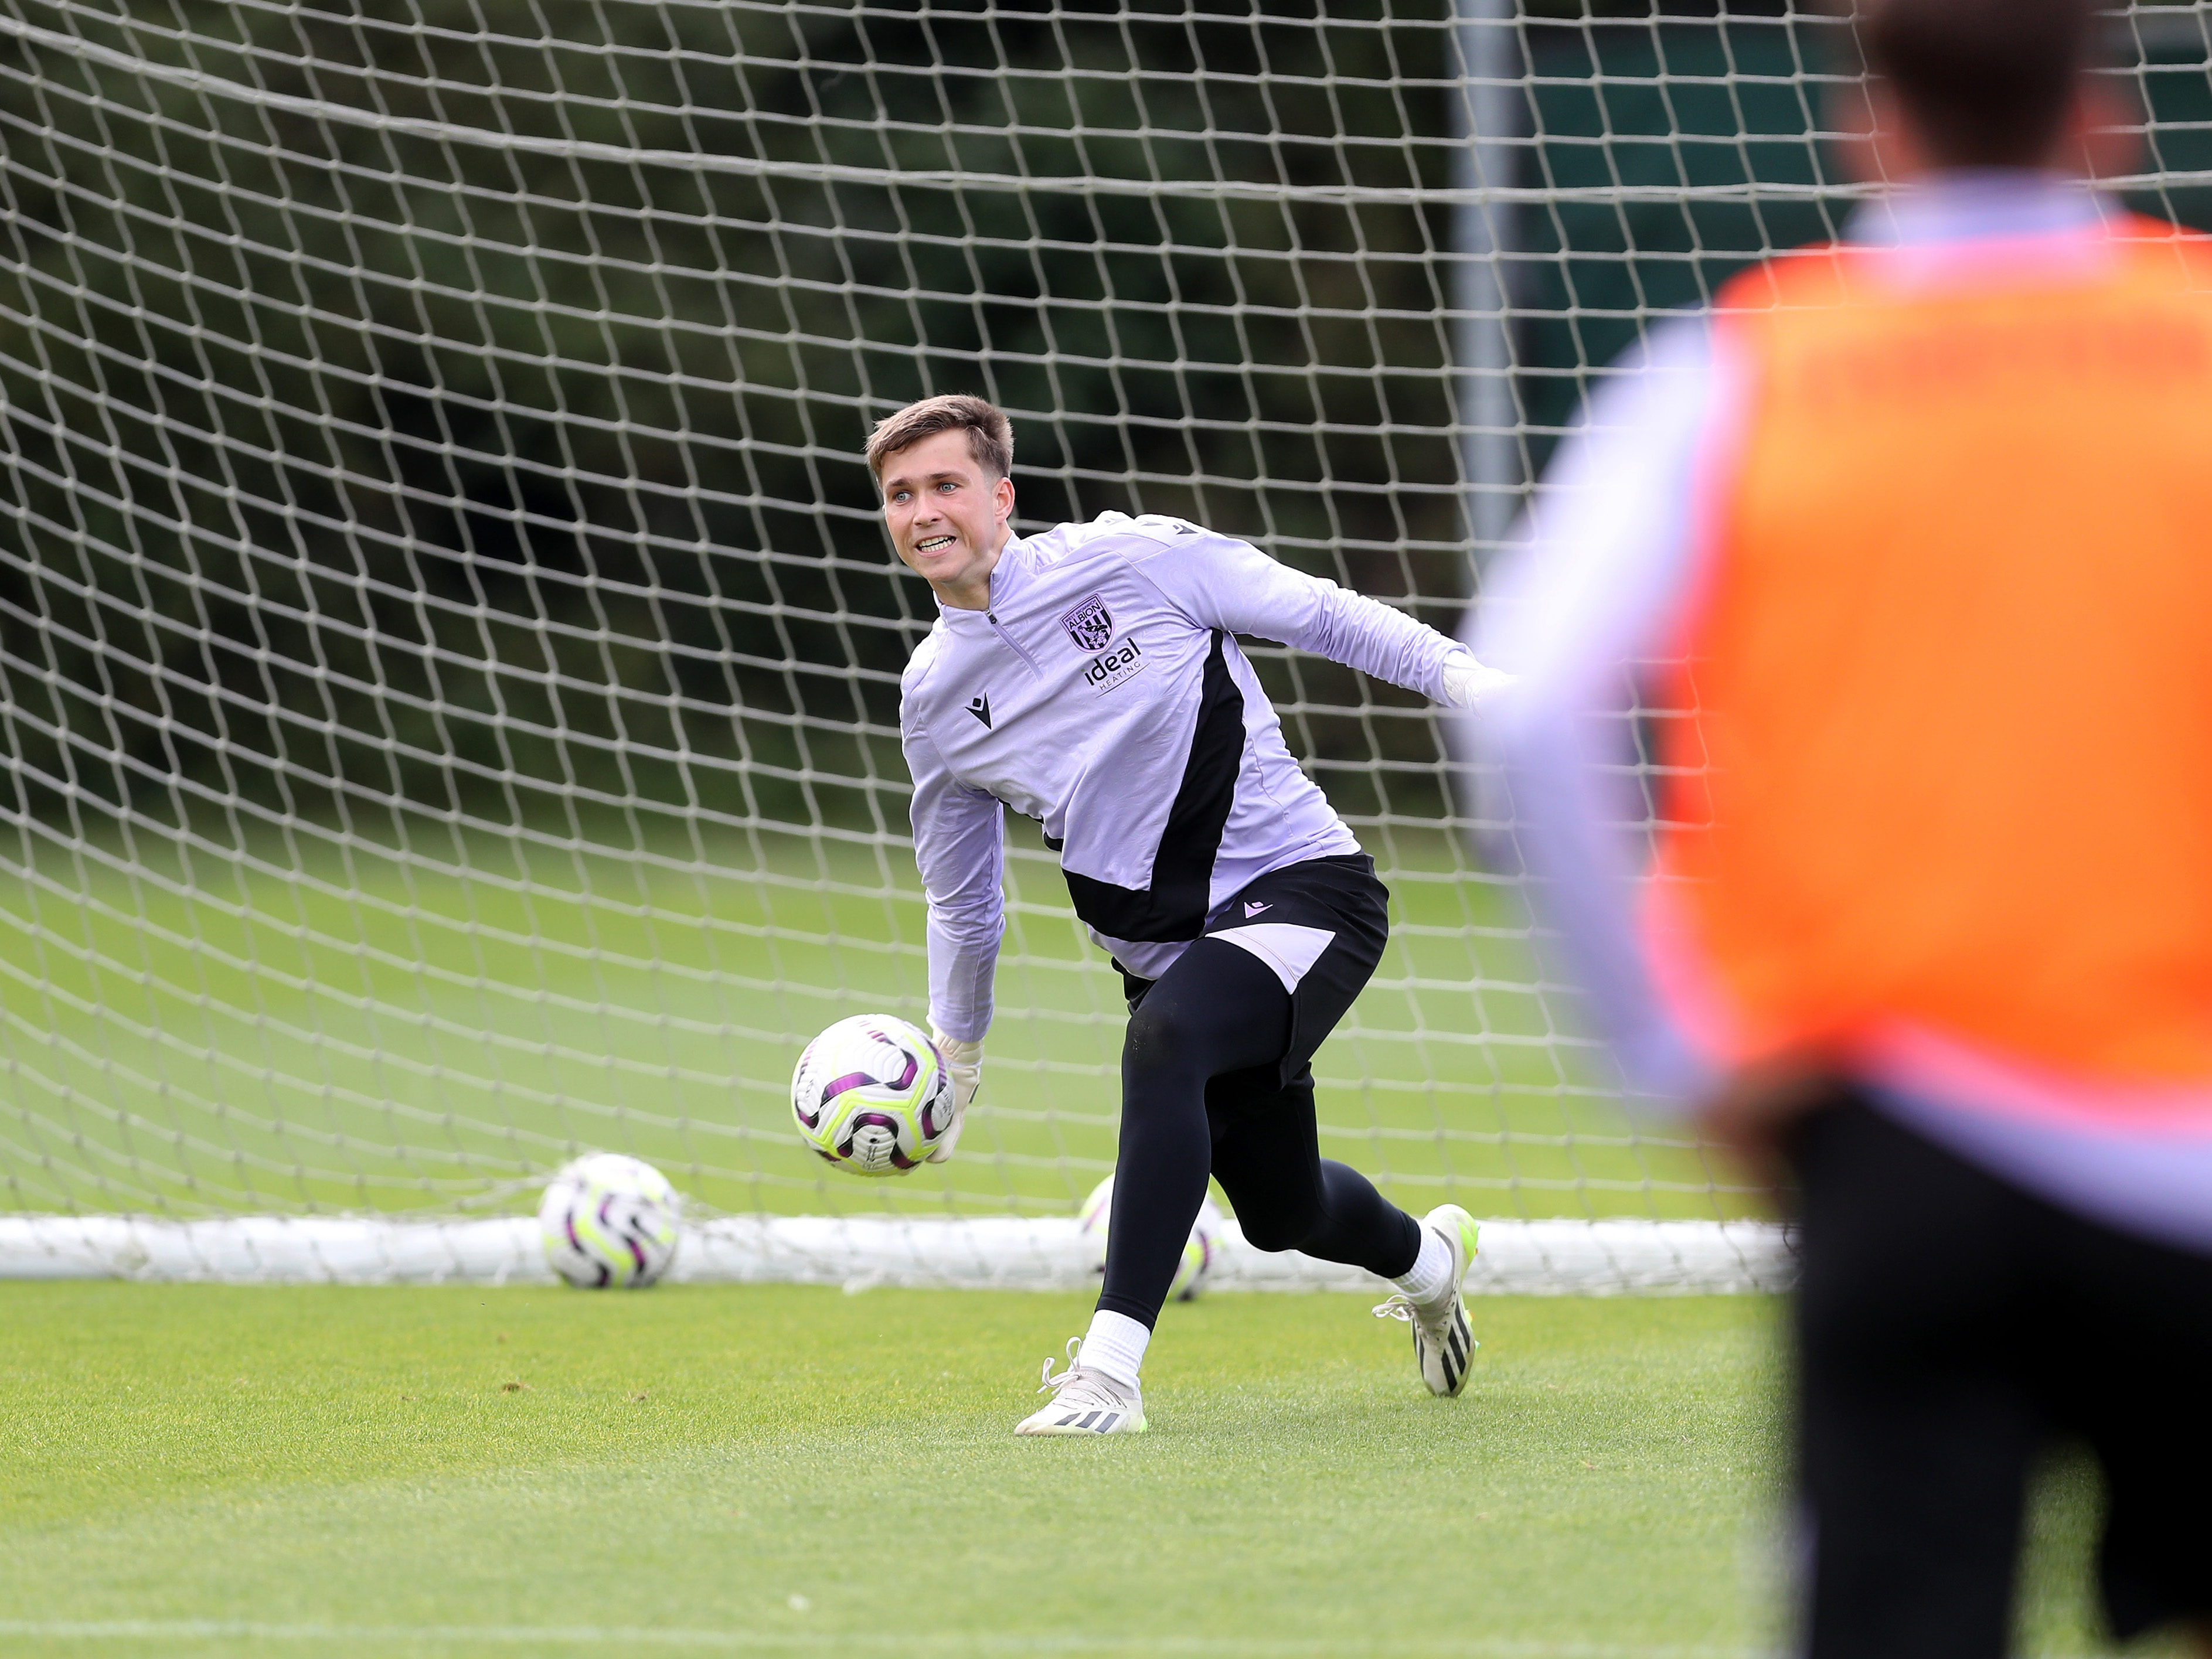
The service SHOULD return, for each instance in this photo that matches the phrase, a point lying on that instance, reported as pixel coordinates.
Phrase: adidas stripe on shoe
(1442, 1343)
(1085, 1401)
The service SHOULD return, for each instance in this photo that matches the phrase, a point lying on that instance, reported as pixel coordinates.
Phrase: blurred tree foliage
(362, 463)
(356, 468)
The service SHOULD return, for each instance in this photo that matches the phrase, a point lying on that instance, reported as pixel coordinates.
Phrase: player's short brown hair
(1985, 83)
(990, 435)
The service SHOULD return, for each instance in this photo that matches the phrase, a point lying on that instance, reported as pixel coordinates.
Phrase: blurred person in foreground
(1912, 541)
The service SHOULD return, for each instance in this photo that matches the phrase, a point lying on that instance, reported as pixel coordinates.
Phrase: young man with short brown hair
(1088, 677)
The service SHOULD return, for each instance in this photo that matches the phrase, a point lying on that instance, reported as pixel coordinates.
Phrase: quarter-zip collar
(1007, 578)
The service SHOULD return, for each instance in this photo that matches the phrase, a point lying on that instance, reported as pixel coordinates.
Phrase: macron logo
(1254, 909)
(981, 708)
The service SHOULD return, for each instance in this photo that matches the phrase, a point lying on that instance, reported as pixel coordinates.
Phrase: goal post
(449, 653)
(1488, 111)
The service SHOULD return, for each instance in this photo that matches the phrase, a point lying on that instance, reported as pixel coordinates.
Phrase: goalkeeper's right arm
(960, 847)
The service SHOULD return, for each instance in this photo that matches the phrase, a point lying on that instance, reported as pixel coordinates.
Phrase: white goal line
(1528, 1258)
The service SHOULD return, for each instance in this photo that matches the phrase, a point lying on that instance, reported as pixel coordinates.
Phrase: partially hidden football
(1199, 1251)
(610, 1222)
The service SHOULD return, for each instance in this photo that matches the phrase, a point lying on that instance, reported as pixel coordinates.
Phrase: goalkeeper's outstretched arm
(1221, 582)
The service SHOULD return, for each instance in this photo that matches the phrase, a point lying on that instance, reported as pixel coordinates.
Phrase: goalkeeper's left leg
(1201, 1072)
(1215, 1079)
(1216, 1011)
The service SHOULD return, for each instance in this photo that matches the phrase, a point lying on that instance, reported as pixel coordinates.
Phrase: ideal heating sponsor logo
(1122, 661)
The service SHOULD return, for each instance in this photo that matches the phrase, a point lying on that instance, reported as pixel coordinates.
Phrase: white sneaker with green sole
(1442, 1344)
(1085, 1401)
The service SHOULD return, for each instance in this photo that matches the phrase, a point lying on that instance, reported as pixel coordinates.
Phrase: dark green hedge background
(351, 473)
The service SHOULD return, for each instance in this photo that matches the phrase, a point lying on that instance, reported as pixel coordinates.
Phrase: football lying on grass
(609, 1223)
(1200, 1252)
(872, 1094)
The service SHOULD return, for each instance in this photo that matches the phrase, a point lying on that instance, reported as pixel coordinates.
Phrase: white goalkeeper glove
(1467, 682)
(965, 1061)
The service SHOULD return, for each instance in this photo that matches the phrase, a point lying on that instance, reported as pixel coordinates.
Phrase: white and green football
(872, 1094)
(610, 1222)
(1200, 1252)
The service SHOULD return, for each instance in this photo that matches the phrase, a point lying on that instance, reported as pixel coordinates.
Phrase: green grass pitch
(259, 1471)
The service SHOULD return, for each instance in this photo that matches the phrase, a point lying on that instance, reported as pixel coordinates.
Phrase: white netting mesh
(449, 653)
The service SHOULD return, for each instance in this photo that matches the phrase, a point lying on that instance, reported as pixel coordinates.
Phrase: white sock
(1115, 1344)
(1429, 1279)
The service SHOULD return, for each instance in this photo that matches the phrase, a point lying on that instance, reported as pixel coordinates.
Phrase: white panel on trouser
(1287, 948)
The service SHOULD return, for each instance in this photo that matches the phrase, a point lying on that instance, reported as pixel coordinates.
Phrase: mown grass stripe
(175, 1630)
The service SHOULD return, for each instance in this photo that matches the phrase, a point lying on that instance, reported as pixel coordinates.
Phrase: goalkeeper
(1090, 678)
(1924, 524)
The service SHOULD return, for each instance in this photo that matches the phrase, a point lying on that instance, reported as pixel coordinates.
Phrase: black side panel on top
(1174, 906)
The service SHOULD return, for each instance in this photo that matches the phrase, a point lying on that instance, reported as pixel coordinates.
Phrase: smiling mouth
(933, 544)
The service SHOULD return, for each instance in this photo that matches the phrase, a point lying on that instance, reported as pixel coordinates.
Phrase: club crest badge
(1089, 625)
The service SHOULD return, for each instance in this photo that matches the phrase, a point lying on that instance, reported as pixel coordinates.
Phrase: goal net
(448, 649)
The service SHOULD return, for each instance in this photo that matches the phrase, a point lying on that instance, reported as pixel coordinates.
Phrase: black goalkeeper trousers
(1949, 1325)
(1215, 1080)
